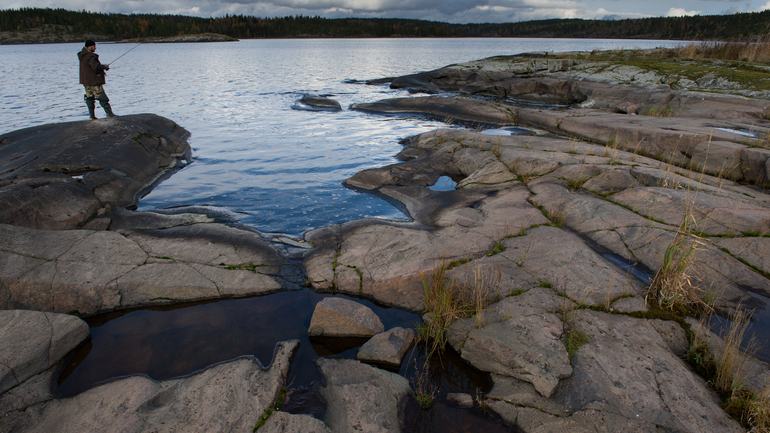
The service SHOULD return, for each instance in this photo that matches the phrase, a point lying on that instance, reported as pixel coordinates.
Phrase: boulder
(361, 397)
(387, 348)
(34, 342)
(230, 396)
(339, 317)
(321, 102)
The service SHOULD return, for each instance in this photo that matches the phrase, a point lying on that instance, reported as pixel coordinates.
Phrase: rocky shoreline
(542, 225)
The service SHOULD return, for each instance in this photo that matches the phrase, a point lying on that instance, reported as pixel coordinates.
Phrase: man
(92, 77)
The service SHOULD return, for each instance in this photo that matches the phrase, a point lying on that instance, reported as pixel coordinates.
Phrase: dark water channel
(172, 341)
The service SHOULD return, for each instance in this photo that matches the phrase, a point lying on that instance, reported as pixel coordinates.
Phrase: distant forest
(743, 26)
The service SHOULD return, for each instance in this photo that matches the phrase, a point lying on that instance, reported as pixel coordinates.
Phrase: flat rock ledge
(89, 272)
(227, 397)
(339, 317)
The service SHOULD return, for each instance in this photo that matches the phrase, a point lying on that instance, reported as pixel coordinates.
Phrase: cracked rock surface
(565, 230)
(98, 271)
(34, 341)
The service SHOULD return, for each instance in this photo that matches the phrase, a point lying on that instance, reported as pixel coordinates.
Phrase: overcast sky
(453, 11)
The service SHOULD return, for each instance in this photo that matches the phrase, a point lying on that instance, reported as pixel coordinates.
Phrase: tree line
(742, 26)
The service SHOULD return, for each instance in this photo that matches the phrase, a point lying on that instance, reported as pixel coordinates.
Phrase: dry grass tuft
(485, 288)
(732, 363)
(759, 412)
(441, 304)
(673, 283)
(447, 301)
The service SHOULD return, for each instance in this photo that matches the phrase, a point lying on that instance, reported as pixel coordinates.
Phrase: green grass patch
(573, 340)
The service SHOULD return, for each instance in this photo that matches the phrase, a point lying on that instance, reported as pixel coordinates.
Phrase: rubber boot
(105, 102)
(91, 104)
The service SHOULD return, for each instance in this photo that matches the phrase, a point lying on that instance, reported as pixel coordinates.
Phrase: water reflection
(167, 342)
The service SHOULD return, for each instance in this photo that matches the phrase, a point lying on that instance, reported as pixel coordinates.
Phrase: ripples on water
(279, 168)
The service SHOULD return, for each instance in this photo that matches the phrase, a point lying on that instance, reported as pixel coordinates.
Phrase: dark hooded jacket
(91, 70)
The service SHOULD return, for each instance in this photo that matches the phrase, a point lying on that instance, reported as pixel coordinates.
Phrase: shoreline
(596, 170)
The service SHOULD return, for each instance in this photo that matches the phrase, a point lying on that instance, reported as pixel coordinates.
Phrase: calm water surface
(278, 167)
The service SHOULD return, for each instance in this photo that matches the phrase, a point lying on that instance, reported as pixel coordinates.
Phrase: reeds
(747, 51)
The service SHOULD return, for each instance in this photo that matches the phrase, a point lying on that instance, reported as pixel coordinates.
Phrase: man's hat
(90, 43)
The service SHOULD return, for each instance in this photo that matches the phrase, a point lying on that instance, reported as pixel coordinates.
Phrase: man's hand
(106, 67)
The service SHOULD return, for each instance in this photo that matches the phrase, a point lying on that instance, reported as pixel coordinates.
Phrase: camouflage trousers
(93, 91)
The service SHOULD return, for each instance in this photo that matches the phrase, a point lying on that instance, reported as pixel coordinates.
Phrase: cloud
(679, 12)
(733, 10)
(453, 11)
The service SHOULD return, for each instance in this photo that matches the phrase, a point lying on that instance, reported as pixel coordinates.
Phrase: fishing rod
(132, 49)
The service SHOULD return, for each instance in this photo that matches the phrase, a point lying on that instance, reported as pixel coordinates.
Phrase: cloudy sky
(454, 11)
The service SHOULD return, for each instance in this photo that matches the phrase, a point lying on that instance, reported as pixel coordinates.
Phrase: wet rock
(468, 110)
(361, 397)
(339, 317)
(90, 272)
(282, 422)
(57, 176)
(35, 341)
(520, 338)
(387, 347)
(321, 102)
(230, 396)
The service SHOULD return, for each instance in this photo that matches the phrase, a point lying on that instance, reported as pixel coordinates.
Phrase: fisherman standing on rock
(92, 77)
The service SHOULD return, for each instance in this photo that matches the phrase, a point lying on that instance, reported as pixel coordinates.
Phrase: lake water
(278, 168)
